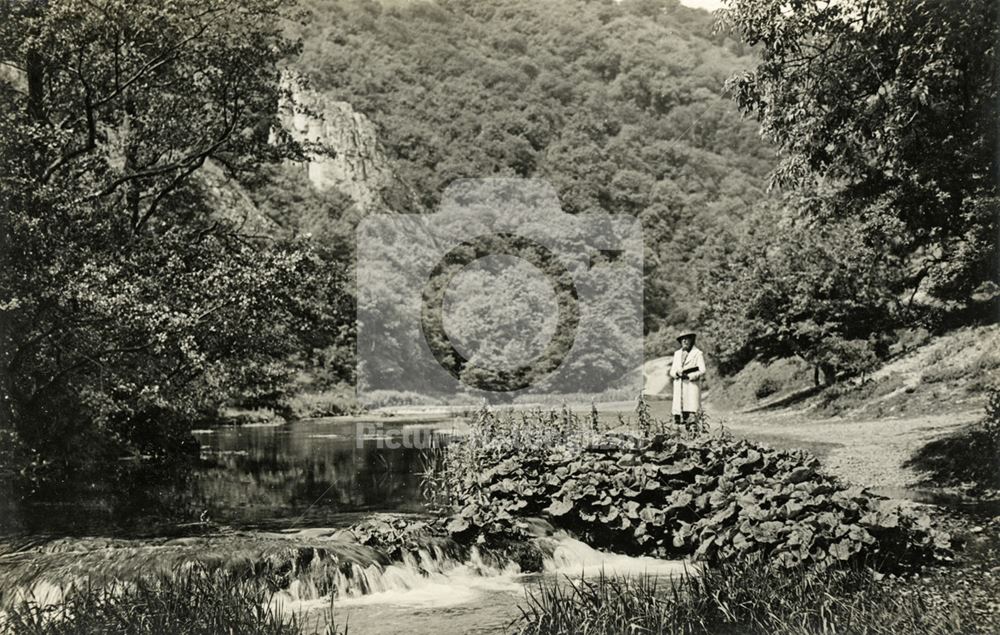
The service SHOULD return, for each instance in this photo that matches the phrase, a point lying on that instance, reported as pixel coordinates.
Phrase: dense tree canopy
(894, 105)
(133, 297)
(816, 291)
(621, 108)
(885, 117)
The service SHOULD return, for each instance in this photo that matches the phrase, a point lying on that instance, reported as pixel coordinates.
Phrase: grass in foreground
(746, 598)
(194, 602)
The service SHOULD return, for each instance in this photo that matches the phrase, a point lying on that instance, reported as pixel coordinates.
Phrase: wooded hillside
(620, 106)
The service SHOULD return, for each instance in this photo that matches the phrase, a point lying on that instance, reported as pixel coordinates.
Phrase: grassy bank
(749, 597)
(753, 597)
(925, 374)
(195, 602)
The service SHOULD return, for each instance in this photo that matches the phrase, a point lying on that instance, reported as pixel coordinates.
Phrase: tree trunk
(36, 104)
(829, 374)
(36, 86)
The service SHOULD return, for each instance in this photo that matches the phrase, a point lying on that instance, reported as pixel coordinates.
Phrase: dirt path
(869, 452)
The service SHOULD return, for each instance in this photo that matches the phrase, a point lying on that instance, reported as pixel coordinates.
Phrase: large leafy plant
(704, 495)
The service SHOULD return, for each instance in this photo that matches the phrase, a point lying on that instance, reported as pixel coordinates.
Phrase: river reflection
(312, 473)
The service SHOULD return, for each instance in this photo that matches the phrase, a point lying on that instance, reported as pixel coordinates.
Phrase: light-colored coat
(687, 392)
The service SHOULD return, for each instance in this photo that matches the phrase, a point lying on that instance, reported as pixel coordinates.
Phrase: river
(317, 472)
(265, 490)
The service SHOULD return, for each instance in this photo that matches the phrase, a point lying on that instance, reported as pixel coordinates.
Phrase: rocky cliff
(347, 154)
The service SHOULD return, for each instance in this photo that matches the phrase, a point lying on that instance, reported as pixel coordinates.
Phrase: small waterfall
(428, 577)
(567, 556)
(312, 568)
(431, 578)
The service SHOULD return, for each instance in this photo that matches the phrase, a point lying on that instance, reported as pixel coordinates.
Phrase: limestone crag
(351, 159)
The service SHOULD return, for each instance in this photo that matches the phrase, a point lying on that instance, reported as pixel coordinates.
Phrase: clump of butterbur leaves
(672, 493)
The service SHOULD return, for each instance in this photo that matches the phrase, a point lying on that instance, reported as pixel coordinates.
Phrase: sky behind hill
(708, 5)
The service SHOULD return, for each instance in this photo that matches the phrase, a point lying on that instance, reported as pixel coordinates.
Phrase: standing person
(686, 371)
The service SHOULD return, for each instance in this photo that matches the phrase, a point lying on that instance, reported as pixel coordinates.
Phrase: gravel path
(867, 452)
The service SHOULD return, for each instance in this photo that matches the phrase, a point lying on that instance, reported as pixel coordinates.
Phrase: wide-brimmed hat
(684, 334)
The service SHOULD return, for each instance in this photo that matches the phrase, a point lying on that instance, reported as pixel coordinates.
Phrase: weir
(311, 570)
(434, 578)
